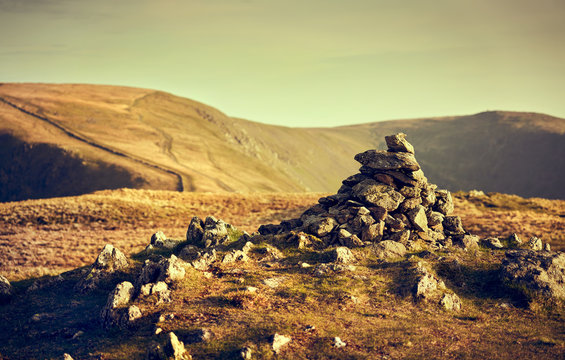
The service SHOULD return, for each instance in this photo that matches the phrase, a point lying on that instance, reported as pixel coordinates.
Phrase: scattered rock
(108, 261)
(467, 242)
(492, 242)
(235, 255)
(338, 343)
(539, 271)
(278, 341)
(450, 302)
(172, 350)
(342, 255)
(116, 313)
(514, 240)
(389, 249)
(169, 270)
(535, 244)
(67, 357)
(160, 241)
(159, 288)
(274, 282)
(246, 353)
(6, 290)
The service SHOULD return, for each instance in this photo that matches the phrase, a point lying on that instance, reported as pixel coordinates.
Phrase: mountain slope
(142, 138)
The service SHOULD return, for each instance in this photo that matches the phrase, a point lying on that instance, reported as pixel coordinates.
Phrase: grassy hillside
(157, 140)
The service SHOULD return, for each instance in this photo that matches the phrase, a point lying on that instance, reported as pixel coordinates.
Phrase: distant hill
(60, 140)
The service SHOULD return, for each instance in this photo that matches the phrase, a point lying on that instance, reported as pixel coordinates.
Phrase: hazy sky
(301, 63)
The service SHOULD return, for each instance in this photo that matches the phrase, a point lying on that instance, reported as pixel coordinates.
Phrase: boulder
(116, 312)
(199, 259)
(195, 231)
(384, 160)
(539, 271)
(466, 241)
(169, 270)
(341, 254)
(160, 241)
(235, 255)
(6, 290)
(398, 143)
(106, 264)
(514, 240)
(535, 244)
(374, 193)
(389, 250)
(322, 226)
(444, 202)
(492, 243)
(453, 225)
(450, 302)
(172, 350)
(160, 289)
(418, 218)
(215, 232)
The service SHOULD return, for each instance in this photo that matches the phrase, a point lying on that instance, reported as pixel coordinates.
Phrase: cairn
(389, 199)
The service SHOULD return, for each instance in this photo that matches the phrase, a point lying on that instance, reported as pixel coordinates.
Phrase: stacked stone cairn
(389, 199)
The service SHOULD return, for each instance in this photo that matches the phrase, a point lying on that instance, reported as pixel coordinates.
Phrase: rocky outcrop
(542, 272)
(107, 263)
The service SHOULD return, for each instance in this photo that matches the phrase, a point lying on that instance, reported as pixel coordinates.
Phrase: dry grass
(370, 309)
(40, 237)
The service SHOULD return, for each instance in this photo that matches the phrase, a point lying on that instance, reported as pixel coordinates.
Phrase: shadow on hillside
(34, 171)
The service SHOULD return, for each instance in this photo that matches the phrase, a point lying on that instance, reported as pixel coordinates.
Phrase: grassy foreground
(370, 308)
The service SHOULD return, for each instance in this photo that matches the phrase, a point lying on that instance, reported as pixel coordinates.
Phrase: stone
(492, 243)
(403, 179)
(435, 219)
(115, 312)
(418, 218)
(235, 255)
(133, 313)
(376, 194)
(426, 282)
(409, 204)
(215, 232)
(342, 255)
(201, 260)
(338, 343)
(195, 231)
(444, 202)
(384, 160)
(385, 179)
(453, 225)
(6, 290)
(160, 241)
(535, 244)
(109, 260)
(67, 357)
(354, 179)
(547, 247)
(389, 250)
(278, 341)
(373, 232)
(169, 270)
(401, 236)
(396, 223)
(352, 241)
(514, 240)
(450, 302)
(538, 271)
(174, 348)
(199, 336)
(160, 289)
(398, 143)
(410, 192)
(467, 242)
(322, 226)
(274, 282)
(246, 353)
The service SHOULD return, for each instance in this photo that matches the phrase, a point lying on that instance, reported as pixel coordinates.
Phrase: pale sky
(301, 63)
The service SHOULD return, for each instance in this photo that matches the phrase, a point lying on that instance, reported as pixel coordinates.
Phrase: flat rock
(384, 160)
(398, 143)
(278, 341)
(376, 194)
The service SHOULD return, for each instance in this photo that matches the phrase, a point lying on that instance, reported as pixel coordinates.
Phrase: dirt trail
(70, 133)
